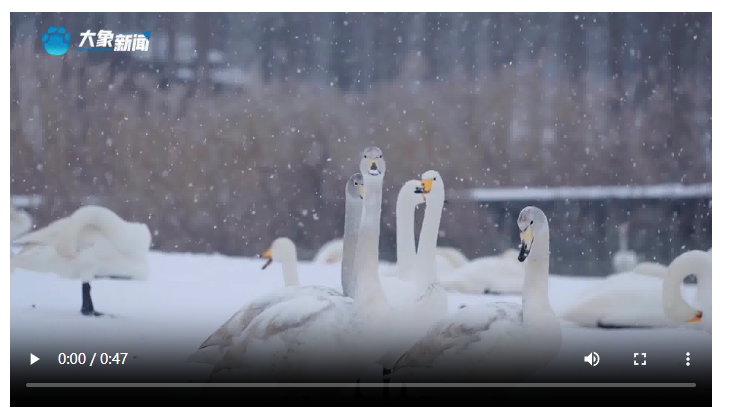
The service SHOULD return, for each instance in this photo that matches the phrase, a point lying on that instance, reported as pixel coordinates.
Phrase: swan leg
(358, 392)
(601, 325)
(87, 306)
(386, 382)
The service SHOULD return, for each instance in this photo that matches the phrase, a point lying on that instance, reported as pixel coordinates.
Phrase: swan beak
(268, 256)
(526, 242)
(373, 167)
(697, 318)
(420, 190)
(427, 184)
(361, 191)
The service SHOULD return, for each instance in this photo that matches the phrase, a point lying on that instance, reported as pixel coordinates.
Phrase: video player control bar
(364, 385)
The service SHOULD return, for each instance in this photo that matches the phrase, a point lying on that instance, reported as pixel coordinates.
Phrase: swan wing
(291, 337)
(485, 323)
(211, 351)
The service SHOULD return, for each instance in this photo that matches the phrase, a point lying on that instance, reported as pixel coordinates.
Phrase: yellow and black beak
(424, 188)
(526, 243)
(698, 316)
(361, 191)
(373, 166)
(426, 185)
(268, 256)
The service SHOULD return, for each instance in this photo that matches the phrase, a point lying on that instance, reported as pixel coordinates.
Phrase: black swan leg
(358, 392)
(601, 325)
(87, 306)
(386, 382)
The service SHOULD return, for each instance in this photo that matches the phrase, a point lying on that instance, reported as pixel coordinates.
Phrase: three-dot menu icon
(687, 358)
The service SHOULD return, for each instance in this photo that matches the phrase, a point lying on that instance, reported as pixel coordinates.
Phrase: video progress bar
(355, 384)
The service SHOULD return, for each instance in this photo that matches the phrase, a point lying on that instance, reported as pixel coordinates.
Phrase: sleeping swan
(501, 274)
(283, 251)
(652, 269)
(504, 341)
(316, 337)
(20, 222)
(90, 244)
(330, 253)
(676, 309)
(631, 300)
(453, 256)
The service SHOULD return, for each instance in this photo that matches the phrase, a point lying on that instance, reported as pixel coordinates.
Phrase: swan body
(652, 269)
(631, 300)
(624, 260)
(319, 337)
(453, 256)
(503, 340)
(92, 243)
(330, 253)
(501, 274)
(284, 251)
(20, 222)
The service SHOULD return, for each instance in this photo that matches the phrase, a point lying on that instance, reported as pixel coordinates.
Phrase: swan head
(20, 222)
(432, 186)
(282, 249)
(410, 193)
(372, 162)
(692, 262)
(355, 189)
(531, 222)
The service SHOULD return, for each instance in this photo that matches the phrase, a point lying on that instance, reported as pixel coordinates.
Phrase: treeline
(229, 169)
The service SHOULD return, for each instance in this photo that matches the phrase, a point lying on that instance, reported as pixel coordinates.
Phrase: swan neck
(405, 241)
(289, 271)
(536, 306)
(353, 213)
(623, 240)
(368, 284)
(692, 262)
(427, 252)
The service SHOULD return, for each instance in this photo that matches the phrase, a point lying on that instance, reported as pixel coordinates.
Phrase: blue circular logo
(56, 40)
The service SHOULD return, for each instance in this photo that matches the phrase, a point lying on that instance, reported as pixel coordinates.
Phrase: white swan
(284, 251)
(631, 300)
(311, 338)
(92, 243)
(694, 262)
(652, 269)
(501, 274)
(330, 253)
(453, 256)
(503, 341)
(20, 222)
(625, 259)
(417, 296)
(406, 203)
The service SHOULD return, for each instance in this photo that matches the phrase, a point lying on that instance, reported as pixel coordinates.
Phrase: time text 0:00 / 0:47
(102, 358)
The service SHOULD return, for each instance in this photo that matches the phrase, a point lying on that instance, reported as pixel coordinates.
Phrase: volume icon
(592, 359)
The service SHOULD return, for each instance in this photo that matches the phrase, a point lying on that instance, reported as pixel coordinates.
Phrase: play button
(34, 359)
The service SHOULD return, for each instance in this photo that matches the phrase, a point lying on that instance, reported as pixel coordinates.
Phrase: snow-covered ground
(189, 295)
